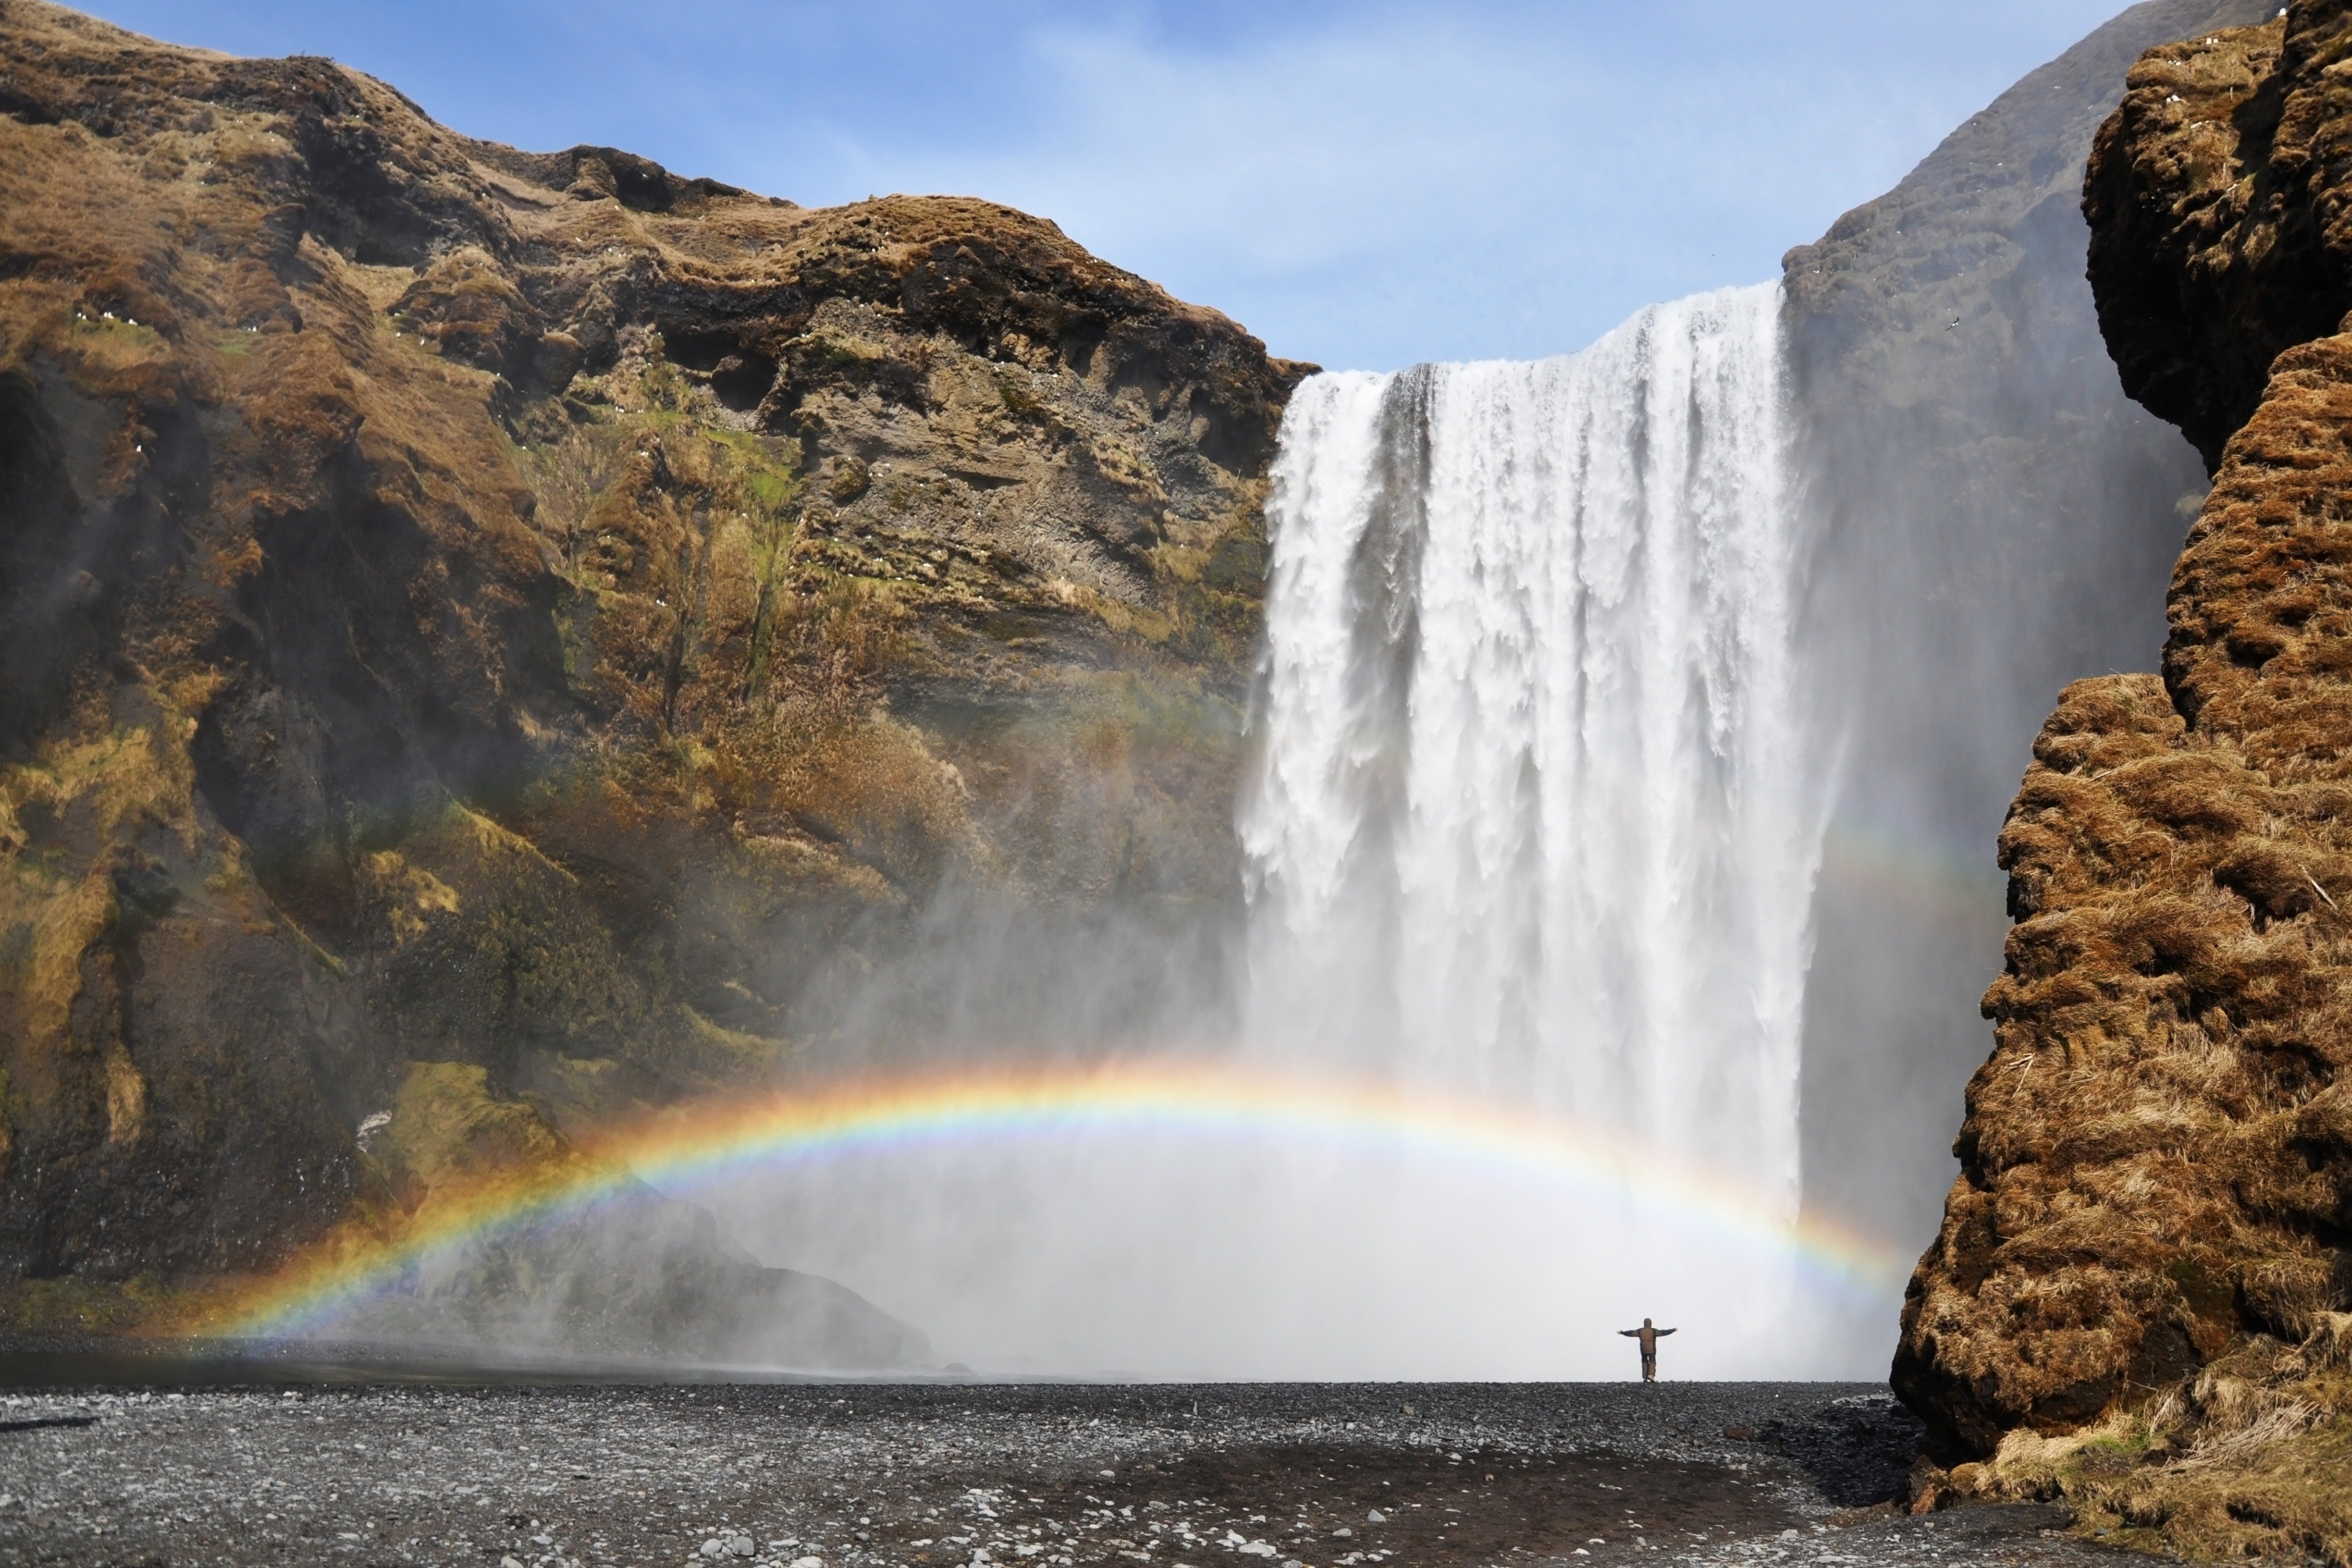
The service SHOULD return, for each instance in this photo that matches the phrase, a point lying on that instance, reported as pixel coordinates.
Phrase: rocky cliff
(2140, 1292)
(1996, 518)
(542, 614)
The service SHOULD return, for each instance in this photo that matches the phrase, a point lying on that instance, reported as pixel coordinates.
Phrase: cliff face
(1996, 517)
(2220, 208)
(538, 611)
(2151, 1236)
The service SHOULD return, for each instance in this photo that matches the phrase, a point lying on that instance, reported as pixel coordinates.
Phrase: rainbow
(1914, 868)
(682, 1150)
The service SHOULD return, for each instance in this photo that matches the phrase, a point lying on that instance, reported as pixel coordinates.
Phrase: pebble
(1069, 1476)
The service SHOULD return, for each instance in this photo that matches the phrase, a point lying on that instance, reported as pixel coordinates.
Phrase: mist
(1527, 824)
(1197, 1260)
(1977, 515)
(1990, 518)
(1629, 738)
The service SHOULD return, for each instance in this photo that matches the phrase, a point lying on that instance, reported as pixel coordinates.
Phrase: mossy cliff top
(538, 612)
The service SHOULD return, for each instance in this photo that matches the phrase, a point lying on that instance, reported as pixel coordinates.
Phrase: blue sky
(1361, 184)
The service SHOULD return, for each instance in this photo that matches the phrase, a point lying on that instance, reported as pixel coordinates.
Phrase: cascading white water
(1533, 815)
(1531, 821)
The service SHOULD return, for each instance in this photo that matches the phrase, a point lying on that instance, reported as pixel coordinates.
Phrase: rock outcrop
(2151, 1237)
(2218, 203)
(545, 614)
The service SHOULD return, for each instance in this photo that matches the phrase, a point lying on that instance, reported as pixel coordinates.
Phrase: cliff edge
(547, 614)
(2141, 1297)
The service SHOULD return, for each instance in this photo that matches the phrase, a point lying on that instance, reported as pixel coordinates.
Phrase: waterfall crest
(1533, 813)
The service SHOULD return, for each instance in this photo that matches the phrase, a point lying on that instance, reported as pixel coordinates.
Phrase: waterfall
(1533, 813)
(1531, 819)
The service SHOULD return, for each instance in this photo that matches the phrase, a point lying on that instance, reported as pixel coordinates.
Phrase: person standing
(1649, 1334)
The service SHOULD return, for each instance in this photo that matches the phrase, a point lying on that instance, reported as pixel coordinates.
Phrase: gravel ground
(972, 1475)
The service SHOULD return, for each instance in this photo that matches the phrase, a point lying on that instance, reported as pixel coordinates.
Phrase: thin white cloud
(1425, 184)
(1363, 184)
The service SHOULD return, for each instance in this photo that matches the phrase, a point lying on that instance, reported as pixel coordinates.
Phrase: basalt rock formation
(2140, 1291)
(540, 613)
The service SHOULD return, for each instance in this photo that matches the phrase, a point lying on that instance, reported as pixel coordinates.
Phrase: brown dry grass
(2244, 1459)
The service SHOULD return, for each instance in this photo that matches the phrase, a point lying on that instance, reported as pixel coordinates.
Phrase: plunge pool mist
(1535, 822)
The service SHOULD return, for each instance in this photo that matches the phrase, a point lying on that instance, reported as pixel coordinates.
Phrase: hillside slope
(541, 612)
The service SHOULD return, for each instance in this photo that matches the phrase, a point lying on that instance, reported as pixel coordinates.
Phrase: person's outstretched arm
(1630, 1333)
(1663, 1332)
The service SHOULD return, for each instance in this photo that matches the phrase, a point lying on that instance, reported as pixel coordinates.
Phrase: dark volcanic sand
(948, 1476)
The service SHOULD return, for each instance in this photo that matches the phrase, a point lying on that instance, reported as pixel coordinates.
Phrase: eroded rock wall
(542, 613)
(2156, 1162)
(1995, 518)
